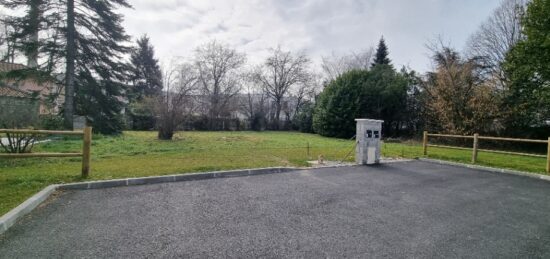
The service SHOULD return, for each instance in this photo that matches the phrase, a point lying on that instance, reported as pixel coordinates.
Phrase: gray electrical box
(369, 136)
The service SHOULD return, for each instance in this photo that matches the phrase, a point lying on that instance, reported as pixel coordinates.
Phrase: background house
(49, 93)
(17, 108)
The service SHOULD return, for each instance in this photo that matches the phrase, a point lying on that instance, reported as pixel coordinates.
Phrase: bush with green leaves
(527, 67)
(51, 122)
(303, 121)
(258, 121)
(141, 114)
(339, 104)
(380, 93)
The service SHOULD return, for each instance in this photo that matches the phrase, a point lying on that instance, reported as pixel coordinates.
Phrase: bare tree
(18, 142)
(335, 65)
(496, 36)
(299, 95)
(254, 105)
(180, 83)
(459, 99)
(281, 71)
(218, 68)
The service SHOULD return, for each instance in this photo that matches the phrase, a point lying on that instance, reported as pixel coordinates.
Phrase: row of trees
(215, 85)
(499, 85)
(82, 46)
(367, 90)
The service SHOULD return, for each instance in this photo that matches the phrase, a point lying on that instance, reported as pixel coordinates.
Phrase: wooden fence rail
(475, 147)
(86, 145)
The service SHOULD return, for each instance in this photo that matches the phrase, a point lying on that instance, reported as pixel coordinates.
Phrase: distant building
(49, 93)
(17, 108)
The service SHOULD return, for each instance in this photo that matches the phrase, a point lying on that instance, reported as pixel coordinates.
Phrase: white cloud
(318, 27)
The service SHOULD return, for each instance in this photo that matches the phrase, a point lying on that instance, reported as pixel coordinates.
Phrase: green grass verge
(514, 162)
(137, 154)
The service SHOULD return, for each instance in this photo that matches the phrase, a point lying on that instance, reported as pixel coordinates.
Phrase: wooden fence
(86, 144)
(475, 147)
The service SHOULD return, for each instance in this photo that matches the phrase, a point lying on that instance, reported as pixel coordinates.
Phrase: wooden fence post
(425, 143)
(548, 158)
(474, 149)
(86, 144)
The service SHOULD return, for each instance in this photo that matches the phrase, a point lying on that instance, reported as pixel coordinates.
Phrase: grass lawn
(136, 154)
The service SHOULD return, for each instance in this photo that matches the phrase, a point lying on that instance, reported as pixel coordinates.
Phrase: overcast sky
(318, 27)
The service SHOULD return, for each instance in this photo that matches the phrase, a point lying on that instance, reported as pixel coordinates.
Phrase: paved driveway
(408, 209)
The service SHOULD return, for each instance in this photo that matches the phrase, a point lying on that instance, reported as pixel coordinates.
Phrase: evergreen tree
(380, 93)
(146, 77)
(85, 38)
(39, 16)
(303, 120)
(70, 71)
(339, 105)
(381, 57)
(146, 85)
(21, 38)
(99, 69)
(27, 27)
(527, 66)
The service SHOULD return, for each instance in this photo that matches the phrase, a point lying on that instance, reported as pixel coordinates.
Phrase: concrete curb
(10, 218)
(488, 169)
(24, 208)
(173, 178)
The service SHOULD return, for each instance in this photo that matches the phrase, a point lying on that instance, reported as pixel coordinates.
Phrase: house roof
(25, 85)
(13, 92)
(7, 67)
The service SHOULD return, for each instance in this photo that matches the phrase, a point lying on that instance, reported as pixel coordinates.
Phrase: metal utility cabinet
(369, 135)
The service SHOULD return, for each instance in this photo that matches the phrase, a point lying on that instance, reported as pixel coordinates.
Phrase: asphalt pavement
(396, 210)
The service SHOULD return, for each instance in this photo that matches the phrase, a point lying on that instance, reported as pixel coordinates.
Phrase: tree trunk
(277, 115)
(70, 67)
(165, 133)
(32, 52)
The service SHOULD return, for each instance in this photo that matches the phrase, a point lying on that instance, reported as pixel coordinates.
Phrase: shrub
(141, 114)
(338, 105)
(51, 122)
(380, 93)
(304, 118)
(18, 142)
